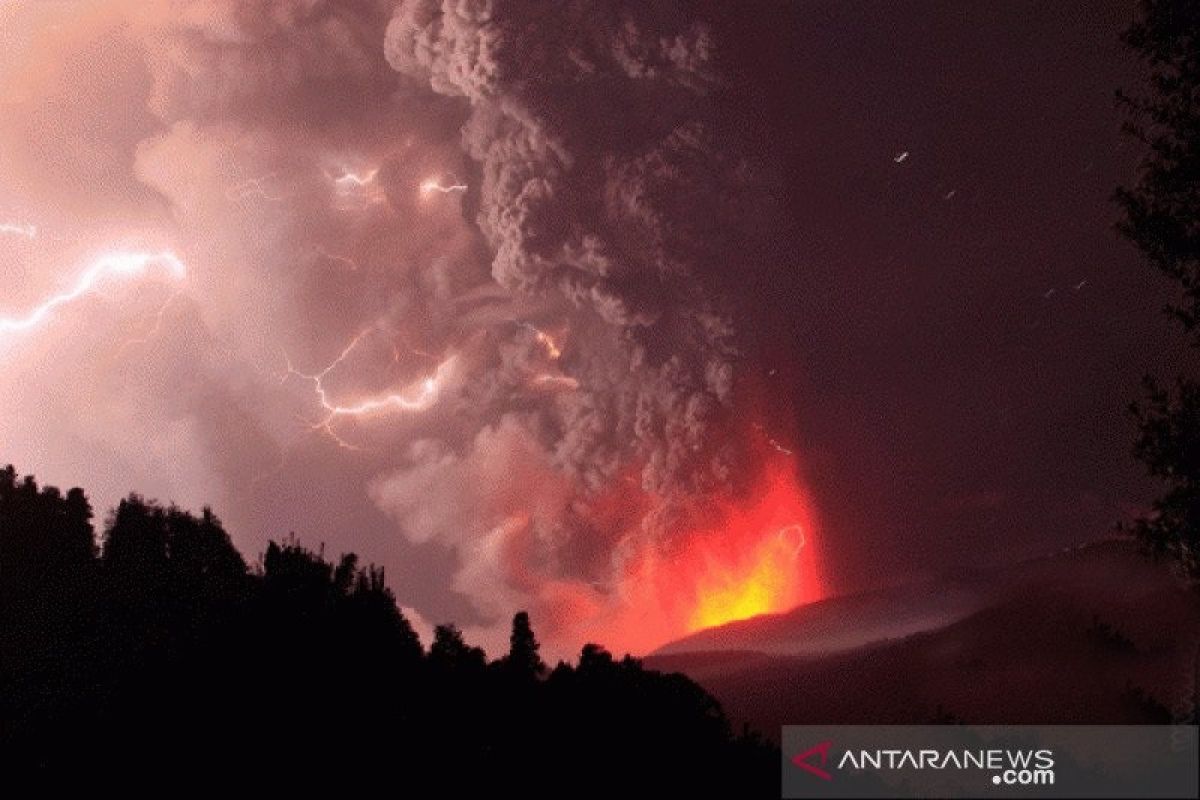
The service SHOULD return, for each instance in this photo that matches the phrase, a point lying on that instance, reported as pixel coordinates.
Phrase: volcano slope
(1095, 634)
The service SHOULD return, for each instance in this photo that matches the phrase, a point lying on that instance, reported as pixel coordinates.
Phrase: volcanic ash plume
(455, 270)
(603, 188)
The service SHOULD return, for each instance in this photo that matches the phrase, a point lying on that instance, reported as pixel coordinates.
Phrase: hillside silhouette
(1097, 633)
(154, 653)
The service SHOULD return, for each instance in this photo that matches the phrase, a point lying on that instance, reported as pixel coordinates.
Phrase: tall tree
(1161, 215)
(523, 659)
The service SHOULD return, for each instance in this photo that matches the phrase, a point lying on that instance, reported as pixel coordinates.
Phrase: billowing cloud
(453, 290)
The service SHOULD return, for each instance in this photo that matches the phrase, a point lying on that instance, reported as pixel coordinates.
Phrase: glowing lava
(758, 561)
(754, 554)
(765, 585)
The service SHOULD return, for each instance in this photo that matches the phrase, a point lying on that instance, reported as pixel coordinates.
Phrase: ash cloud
(574, 283)
(604, 183)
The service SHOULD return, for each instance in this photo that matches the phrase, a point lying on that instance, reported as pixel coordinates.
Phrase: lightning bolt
(553, 349)
(356, 190)
(154, 328)
(431, 185)
(409, 400)
(18, 229)
(113, 265)
(349, 180)
(416, 397)
(551, 381)
(349, 263)
(253, 187)
(548, 342)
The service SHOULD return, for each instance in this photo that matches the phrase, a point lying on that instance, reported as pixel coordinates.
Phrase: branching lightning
(154, 328)
(356, 190)
(416, 397)
(113, 265)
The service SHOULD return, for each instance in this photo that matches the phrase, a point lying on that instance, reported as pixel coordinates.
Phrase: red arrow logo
(822, 750)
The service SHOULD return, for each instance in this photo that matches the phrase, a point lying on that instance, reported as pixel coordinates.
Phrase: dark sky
(963, 329)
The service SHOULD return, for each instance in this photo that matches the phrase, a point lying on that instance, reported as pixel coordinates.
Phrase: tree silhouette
(523, 659)
(1162, 210)
(449, 653)
(46, 532)
(1161, 215)
(164, 655)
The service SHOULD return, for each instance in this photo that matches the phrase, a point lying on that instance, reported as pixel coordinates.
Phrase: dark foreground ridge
(1096, 634)
(158, 655)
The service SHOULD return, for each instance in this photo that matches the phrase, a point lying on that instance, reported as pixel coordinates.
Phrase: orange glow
(750, 554)
(758, 560)
(767, 584)
(754, 555)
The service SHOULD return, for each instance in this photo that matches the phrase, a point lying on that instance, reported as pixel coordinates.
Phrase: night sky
(608, 311)
(966, 326)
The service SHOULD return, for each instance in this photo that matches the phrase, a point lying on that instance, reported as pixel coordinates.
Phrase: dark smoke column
(606, 187)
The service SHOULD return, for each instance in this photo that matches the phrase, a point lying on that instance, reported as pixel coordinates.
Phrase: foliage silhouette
(163, 655)
(1161, 215)
(523, 659)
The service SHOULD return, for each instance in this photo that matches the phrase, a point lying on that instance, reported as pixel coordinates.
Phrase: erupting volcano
(757, 558)
(760, 583)
(755, 554)
(760, 560)
(466, 321)
(509, 352)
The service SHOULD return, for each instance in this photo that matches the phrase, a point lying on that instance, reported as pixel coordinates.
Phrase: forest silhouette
(156, 651)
